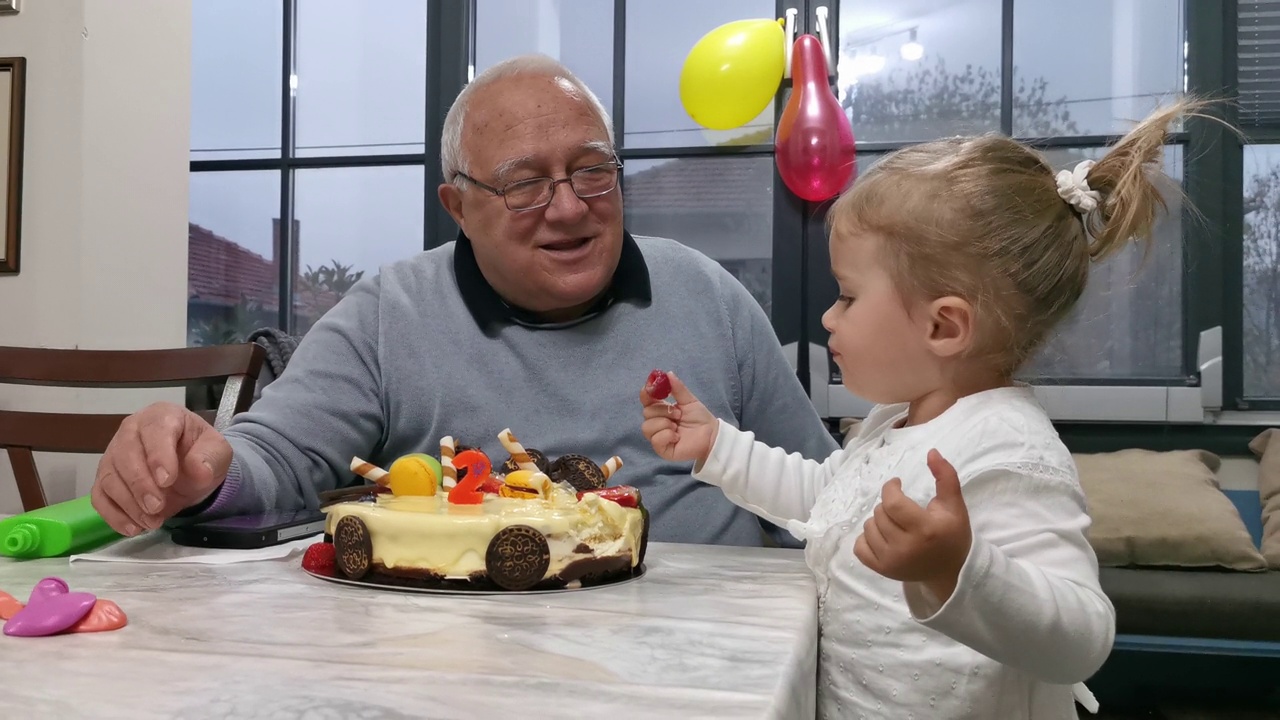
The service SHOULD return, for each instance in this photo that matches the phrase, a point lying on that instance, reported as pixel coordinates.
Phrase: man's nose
(565, 203)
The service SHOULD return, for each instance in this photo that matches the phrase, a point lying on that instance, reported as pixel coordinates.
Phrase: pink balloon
(814, 145)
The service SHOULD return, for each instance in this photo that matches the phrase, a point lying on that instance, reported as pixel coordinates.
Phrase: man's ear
(451, 198)
(950, 326)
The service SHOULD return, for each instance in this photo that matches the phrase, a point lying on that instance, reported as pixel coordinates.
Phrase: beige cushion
(1267, 447)
(1163, 509)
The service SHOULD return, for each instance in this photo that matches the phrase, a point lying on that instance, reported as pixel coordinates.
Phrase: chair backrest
(23, 433)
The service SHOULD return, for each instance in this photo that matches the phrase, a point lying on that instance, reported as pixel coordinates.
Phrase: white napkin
(156, 547)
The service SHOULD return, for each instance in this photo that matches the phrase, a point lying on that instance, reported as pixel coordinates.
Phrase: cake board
(636, 574)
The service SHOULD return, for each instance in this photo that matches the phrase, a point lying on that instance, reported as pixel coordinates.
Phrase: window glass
(236, 78)
(1262, 271)
(361, 77)
(578, 33)
(722, 206)
(913, 70)
(233, 255)
(660, 34)
(1132, 62)
(349, 222)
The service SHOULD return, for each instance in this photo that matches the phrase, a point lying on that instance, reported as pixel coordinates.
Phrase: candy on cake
(453, 523)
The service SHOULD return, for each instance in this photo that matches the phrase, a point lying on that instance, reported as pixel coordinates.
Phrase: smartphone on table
(247, 532)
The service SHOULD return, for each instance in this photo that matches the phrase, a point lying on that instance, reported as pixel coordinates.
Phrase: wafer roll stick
(518, 453)
(449, 472)
(369, 471)
(611, 466)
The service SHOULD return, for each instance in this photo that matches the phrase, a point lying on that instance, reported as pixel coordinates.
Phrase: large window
(308, 151)
(711, 190)
(911, 72)
(683, 181)
(315, 158)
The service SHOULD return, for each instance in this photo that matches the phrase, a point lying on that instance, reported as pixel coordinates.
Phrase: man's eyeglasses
(587, 182)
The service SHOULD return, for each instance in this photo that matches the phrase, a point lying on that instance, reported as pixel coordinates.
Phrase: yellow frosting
(429, 533)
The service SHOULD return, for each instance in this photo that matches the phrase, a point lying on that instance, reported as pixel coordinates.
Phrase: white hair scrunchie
(1074, 188)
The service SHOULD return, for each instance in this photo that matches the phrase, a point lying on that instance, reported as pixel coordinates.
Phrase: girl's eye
(845, 300)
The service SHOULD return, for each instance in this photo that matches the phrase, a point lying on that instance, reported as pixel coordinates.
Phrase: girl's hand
(682, 431)
(929, 545)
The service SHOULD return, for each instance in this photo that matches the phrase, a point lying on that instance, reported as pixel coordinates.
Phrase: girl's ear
(950, 326)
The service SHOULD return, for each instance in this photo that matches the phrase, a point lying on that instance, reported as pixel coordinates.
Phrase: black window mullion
(789, 305)
(1212, 223)
(450, 49)
(287, 151)
(1006, 67)
(619, 73)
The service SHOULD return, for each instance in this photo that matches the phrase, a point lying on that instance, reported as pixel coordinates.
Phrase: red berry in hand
(319, 558)
(659, 385)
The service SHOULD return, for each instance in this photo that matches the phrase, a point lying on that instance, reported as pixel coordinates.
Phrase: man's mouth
(566, 246)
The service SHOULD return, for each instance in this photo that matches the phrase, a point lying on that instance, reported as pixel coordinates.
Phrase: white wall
(104, 213)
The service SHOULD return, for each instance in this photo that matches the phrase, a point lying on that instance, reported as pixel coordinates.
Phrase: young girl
(948, 538)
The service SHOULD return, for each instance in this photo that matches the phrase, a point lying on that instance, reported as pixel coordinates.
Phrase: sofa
(1194, 573)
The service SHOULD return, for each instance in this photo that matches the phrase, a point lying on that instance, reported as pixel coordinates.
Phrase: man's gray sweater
(401, 362)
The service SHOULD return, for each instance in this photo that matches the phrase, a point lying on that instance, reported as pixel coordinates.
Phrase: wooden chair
(23, 433)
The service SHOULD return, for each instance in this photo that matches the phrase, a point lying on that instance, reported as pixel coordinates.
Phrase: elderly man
(544, 316)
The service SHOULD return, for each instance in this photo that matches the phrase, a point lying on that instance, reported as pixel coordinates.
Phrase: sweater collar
(630, 283)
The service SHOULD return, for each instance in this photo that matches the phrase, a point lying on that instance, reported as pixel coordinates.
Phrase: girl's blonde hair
(981, 219)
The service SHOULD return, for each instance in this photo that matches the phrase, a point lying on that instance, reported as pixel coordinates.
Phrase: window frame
(289, 163)
(1233, 256)
(789, 275)
(1211, 391)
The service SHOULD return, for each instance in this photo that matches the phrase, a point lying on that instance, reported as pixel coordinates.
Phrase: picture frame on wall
(13, 74)
(9, 7)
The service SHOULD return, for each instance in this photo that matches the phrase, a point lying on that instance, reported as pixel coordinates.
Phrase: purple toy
(51, 609)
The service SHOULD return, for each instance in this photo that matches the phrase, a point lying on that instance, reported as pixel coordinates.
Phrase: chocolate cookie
(517, 558)
(363, 492)
(579, 471)
(544, 465)
(353, 548)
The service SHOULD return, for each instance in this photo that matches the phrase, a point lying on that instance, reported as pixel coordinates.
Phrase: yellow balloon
(732, 73)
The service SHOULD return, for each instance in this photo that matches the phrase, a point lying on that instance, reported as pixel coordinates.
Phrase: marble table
(707, 632)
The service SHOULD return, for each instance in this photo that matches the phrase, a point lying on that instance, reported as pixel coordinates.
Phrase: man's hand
(683, 431)
(162, 460)
(906, 542)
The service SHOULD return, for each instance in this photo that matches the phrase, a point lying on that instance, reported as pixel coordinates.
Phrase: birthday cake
(457, 522)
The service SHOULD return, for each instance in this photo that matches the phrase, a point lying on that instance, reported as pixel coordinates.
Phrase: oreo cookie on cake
(579, 471)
